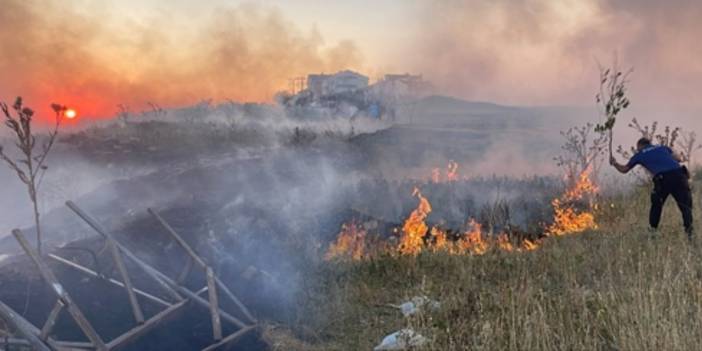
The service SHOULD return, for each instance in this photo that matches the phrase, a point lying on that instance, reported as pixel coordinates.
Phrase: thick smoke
(85, 55)
(546, 52)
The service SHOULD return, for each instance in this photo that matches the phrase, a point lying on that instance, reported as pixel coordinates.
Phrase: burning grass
(611, 288)
(574, 212)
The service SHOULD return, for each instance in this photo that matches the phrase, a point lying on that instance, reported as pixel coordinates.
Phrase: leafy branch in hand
(612, 99)
(30, 167)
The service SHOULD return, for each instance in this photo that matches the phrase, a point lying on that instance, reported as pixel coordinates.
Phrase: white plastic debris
(401, 340)
(416, 304)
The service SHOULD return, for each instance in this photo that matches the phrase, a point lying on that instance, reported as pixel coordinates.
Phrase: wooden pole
(23, 327)
(153, 273)
(92, 273)
(214, 305)
(58, 289)
(200, 262)
(133, 301)
(51, 321)
(204, 303)
(144, 328)
(232, 297)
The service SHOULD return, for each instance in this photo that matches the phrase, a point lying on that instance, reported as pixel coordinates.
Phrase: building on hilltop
(340, 82)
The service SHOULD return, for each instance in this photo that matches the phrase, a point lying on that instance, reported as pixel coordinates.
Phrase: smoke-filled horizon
(527, 52)
(547, 52)
(83, 54)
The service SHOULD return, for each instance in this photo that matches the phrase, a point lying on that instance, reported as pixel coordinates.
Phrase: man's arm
(621, 168)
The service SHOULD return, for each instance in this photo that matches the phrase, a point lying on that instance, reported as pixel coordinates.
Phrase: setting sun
(70, 113)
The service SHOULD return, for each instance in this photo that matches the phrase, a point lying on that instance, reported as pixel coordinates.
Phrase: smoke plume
(546, 52)
(85, 55)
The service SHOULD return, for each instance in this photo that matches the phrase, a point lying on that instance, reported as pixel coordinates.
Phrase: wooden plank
(92, 273)
(60, 292)
(150, 271)
(133, 301)
(200, 262)
(130, 336)
(214, 305)
(23, 327)
(51, 321)
(230, 339)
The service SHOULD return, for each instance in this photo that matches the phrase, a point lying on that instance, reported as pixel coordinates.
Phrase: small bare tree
(685, 144)
(582, 151)
(30, 167)
(688, 146)
(668, 137)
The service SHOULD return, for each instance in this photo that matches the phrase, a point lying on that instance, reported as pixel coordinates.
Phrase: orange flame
(472, 240)
(351, 243)
(529, 245)
(415, 228)
(440, 240)
(567, 219)
(504, 243)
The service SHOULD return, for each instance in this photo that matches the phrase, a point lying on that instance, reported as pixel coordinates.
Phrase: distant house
(402, 85)
(340, 82)
(316, 83)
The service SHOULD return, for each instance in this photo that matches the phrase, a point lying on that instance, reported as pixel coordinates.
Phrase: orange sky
(95, 55)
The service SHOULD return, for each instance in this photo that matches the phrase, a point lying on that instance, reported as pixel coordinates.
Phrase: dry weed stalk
(30, 167)
(688, 145)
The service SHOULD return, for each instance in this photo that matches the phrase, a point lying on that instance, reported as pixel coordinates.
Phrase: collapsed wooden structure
(39, 337)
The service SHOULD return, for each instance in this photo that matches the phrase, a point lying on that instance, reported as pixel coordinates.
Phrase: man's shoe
(653, 233)
(691, 237)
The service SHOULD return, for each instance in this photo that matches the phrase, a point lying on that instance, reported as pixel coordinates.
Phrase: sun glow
(70, 113)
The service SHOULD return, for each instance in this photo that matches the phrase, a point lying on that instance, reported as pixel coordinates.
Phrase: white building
(340, 82)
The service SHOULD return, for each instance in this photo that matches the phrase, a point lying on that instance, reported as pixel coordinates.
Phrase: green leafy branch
(612, 99)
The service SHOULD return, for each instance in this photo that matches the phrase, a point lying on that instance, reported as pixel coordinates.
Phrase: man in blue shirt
(669, 178)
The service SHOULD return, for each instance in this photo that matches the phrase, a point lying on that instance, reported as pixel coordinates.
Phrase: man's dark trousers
(674, 183)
